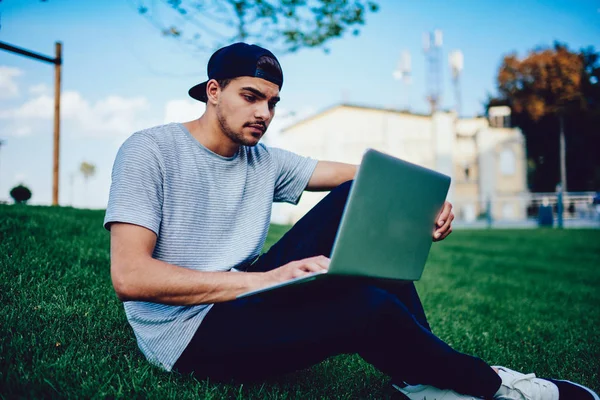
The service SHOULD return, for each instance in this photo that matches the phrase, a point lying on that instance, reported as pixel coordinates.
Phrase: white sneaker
(426, 392)
(518, 386)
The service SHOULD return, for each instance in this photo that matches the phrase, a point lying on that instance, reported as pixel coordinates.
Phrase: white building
(484, 157)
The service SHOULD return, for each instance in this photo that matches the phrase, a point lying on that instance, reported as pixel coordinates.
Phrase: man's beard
(236, 137)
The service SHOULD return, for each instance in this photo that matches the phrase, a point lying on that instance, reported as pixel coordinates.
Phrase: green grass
(526, 299)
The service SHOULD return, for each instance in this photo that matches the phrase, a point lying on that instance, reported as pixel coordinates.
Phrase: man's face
(245, 109)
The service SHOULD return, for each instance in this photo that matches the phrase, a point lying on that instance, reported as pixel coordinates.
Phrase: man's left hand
(443, 224)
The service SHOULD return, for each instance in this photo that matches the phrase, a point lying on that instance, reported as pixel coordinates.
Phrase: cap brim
(198, 92)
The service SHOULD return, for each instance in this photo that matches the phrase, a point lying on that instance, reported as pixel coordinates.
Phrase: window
(507, 162)
(499, 116)
(508, 211)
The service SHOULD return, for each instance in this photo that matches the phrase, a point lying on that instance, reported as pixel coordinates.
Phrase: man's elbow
(123, 285)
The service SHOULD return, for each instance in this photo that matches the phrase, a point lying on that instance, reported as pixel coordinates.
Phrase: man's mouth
(258, 127)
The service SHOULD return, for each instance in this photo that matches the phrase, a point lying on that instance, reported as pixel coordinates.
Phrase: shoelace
(528, 377)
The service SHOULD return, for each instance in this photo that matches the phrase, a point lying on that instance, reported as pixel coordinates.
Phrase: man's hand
(296, 269)
(443, 223)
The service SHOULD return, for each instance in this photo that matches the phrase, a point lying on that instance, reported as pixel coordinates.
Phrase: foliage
(20, 194)
(540, 88)
(87, 170)
(546, 81)
(280, 25)
(488, 293)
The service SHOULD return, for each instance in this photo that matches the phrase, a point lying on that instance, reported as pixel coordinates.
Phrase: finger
(440, 231)
(321, 261)
(448, 232)
(311, 267)
(298, 272)
(444, 214)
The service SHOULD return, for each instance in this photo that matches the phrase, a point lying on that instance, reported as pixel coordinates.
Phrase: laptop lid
(388, 223)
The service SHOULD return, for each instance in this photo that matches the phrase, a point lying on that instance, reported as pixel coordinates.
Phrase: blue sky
(121, 75)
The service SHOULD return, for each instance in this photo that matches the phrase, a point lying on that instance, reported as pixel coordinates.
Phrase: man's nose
(262, 111)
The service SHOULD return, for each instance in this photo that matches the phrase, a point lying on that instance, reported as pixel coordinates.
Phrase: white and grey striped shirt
(210, 213)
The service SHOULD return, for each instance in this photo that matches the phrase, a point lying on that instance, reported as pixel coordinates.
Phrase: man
(189, 209)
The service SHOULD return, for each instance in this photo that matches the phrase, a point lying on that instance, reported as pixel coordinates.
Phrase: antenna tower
(432, 47)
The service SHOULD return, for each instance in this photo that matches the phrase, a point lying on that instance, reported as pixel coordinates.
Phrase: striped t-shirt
(209, 212)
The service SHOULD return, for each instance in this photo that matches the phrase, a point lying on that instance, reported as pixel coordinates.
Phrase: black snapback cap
(238, 59)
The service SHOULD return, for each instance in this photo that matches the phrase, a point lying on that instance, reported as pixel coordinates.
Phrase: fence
(578, 207)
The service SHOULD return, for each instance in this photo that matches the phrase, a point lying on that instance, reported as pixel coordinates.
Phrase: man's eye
(249, 98)
(272, 105)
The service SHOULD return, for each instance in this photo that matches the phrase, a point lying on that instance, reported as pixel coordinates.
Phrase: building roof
(356, 106)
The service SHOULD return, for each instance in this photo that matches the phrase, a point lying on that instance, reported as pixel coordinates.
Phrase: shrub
(20, 194)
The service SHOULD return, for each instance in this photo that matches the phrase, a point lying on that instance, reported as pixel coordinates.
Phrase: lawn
(527, 299)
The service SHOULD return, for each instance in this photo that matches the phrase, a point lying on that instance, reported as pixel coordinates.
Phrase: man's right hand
(296, 269)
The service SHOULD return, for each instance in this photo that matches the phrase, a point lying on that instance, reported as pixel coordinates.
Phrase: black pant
(291, 329)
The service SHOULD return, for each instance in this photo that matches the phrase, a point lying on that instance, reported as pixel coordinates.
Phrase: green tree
(87, 170)
(280, 25)
(20, 194)
(555, 92)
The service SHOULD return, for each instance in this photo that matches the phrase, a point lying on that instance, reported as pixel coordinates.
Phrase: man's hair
(270, 66)
(223, 83)
(266, 64)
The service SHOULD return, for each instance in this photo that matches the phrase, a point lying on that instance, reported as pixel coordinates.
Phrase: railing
(576, 204)
(525, 208)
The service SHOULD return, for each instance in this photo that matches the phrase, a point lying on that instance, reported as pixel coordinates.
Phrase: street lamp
(2, 143)
(403, 73)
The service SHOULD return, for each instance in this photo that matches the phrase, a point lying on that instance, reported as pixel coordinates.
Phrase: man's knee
(340, 193)
(345, 187)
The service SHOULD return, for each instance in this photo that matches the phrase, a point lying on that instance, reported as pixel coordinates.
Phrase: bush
(20, 194)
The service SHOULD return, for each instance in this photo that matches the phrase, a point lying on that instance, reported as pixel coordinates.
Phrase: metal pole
(488, 216)
(563, 150)
(57, 76)
(559, 207)
(26, 53)
(2, 142)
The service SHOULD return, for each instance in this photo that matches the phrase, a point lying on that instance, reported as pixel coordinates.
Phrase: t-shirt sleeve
(136, 191)
(293, 173)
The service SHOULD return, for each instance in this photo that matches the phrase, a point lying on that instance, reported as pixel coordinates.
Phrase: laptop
(387, 226)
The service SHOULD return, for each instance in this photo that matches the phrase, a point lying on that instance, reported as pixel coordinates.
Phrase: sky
(121, 75)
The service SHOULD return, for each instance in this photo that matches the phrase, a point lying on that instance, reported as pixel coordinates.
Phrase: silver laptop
(387, 226)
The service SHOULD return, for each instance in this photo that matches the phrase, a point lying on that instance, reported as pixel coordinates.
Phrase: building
(485, 157)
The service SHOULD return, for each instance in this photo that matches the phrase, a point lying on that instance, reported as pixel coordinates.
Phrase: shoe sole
(400, 392)
(594, 395)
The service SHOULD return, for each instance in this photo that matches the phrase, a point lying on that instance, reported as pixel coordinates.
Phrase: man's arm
(137, 276)
(329, 174)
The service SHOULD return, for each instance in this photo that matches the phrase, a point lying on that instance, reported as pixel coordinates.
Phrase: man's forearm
(148, 279)
(330, 174)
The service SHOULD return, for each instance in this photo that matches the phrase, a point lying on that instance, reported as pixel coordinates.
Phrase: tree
(283, 25)
(87, 170)
(554, 94)
(20, 194)
(280, 25)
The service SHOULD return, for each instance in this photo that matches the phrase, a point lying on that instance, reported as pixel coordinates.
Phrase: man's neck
(209, 133)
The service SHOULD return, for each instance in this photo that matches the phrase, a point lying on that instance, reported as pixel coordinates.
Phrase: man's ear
(213, 90)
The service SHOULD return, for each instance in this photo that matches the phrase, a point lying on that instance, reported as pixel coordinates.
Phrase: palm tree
(87, 170)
